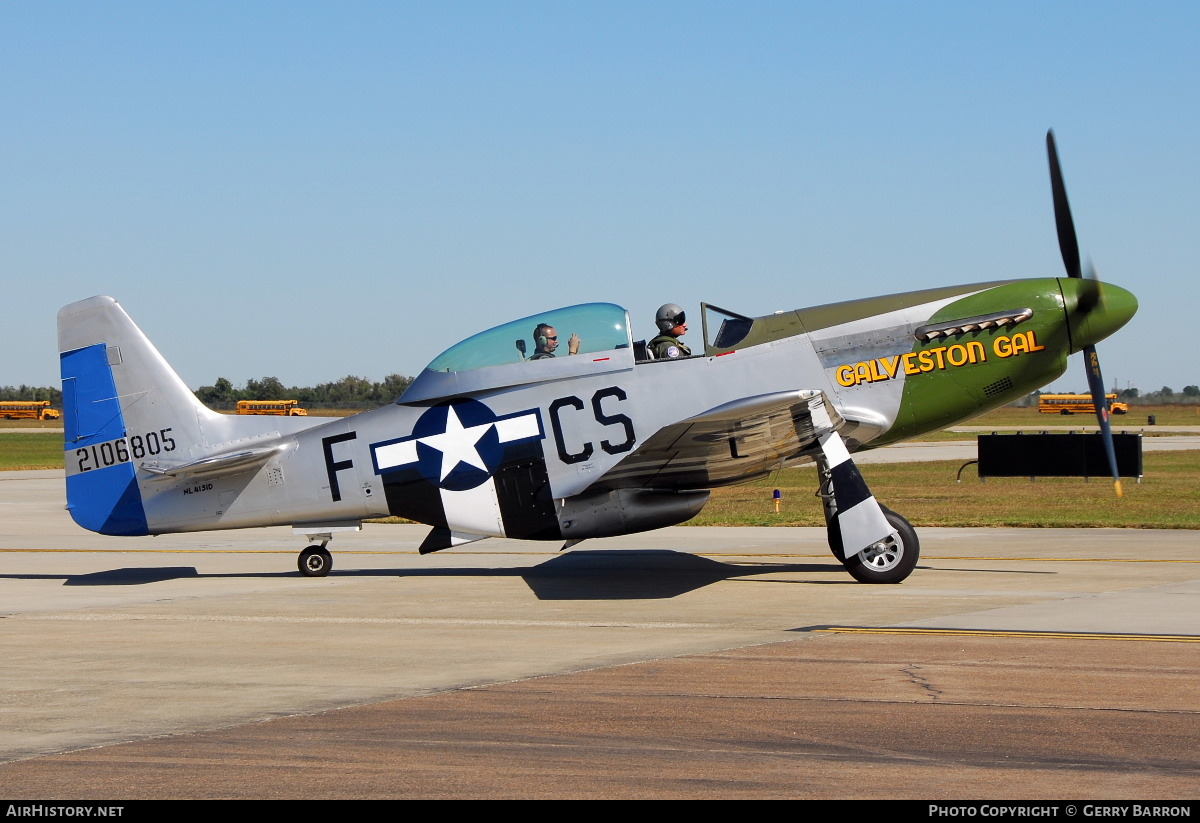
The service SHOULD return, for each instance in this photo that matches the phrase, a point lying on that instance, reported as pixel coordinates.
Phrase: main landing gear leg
(315, 561)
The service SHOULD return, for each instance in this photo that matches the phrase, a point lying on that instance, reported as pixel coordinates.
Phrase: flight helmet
(669, 316)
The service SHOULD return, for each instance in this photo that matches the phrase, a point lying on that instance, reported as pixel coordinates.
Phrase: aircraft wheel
(888, 561)
(315, 561)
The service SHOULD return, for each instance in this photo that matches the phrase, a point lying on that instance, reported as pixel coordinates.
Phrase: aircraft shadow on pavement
(642, 575)
(132, 576)
(580, 575)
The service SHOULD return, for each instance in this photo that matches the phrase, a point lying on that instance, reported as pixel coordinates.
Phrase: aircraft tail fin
(123, 405)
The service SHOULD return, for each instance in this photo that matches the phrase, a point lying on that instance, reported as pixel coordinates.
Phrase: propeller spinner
(1091, 299)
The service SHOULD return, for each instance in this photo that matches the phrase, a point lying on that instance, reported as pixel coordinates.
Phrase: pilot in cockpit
(545, 341)
(672, 325)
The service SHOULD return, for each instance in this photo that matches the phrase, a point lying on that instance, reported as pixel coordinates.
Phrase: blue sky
(314, 190)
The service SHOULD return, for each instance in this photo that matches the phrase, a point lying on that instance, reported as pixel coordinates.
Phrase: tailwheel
(889, 561)
(315, 561)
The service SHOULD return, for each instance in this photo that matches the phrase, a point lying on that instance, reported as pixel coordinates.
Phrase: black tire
(888, 561)
(1065, 411)
(314, 561)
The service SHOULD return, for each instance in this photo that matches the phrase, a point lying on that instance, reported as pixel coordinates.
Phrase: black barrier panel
(1057, 455)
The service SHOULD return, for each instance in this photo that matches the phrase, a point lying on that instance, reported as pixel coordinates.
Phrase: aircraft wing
(731, 443)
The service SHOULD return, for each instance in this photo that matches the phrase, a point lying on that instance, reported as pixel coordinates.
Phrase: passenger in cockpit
(545, 341)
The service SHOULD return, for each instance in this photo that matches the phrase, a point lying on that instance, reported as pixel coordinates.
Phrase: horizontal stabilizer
(218, 465)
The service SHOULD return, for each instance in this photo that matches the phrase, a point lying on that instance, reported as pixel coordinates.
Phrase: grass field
(30, 449)
(32, 425)
(1009, 417)
(925, 493)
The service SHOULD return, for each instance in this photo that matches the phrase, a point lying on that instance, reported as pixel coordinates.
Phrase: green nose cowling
(1094, 309)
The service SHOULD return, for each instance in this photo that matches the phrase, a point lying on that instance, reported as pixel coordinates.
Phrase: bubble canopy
(493, 360)
(602, 327)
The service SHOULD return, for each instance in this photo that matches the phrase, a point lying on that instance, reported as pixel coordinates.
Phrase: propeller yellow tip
(1120, 491)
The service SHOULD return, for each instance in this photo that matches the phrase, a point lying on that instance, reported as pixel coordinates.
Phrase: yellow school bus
(28, 410)
(288, 408)
(1078, 404)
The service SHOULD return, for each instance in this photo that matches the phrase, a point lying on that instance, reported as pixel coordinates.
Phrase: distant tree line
(350, 392)
(360, 393)
(1166, 394)
(32, 393)
(1134, 397)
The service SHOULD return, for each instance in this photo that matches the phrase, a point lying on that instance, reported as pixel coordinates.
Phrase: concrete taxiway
(686, 662)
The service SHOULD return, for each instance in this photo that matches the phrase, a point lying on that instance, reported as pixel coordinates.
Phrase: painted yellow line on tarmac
(477, 551)
(203, 550)
(927, 559)
(1166, 638)
(1074, 559)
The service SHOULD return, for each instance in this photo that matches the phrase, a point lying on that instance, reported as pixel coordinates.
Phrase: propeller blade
(1089, 297)
(1100, 403)
(1067, 241)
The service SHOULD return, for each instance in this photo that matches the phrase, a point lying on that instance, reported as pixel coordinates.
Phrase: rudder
(102, 489)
